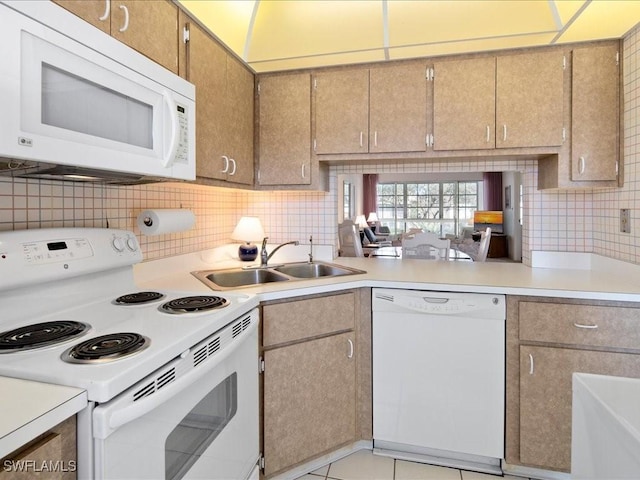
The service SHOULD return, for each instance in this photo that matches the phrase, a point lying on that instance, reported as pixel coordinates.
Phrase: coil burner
(198, 303)
(138, 298)
(106, 348)
(40, 335)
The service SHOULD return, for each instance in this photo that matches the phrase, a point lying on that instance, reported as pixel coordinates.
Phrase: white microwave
(78, 103)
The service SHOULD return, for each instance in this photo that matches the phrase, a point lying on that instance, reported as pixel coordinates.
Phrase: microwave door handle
(170, 154)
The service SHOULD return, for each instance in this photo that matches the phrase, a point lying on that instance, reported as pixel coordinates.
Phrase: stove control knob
(117, 244)
(132, 244)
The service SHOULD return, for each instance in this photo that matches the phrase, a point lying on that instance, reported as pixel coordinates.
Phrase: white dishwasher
(439, 378)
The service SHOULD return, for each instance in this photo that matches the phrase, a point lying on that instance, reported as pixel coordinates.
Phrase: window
(438, 207)
(347, 200)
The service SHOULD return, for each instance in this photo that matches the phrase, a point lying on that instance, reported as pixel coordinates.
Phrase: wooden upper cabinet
(398, 108)
(464, 104)
(529, 99)
(206, 68)
(285, 129)
(150, 27)
(342, 111)
(95, 12)
(224, 109)
(499, 102)
(595, 114)
(237, 121)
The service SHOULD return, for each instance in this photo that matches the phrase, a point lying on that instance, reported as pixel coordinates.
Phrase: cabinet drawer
(292, 321)
(589, 325)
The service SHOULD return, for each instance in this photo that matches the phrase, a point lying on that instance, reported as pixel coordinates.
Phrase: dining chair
(349, 239)
(426, 246)
(483, 249)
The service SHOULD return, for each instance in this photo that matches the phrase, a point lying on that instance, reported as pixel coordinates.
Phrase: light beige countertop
(31, 408)
(595, 278)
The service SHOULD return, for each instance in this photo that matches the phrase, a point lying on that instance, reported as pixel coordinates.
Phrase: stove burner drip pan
(198, 303)
(40, 335)
(138, 298)
(106, 348)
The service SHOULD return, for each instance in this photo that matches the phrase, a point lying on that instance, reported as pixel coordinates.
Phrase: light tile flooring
(364, 465)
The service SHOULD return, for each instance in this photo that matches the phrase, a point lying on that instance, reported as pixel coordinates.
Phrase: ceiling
(274, 35)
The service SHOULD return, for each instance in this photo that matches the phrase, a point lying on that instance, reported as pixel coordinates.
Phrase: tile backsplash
(576, 221)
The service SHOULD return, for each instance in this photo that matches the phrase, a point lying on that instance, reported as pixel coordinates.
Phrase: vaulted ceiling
(272, 35)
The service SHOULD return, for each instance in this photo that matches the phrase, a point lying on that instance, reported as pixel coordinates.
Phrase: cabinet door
(546, 396)
(309, 400)
(595, 113)
(529, 100)
(285, 130)
(398, 108)
(151, 26)
(237, 122)
(95, 12)
(151, 29)
(207, 70)
(342, 111)
(464, 104)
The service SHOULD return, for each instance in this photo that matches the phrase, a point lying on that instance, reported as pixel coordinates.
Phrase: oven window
(200, 427)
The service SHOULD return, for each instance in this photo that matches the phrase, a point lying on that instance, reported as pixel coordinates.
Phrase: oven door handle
(108, 417)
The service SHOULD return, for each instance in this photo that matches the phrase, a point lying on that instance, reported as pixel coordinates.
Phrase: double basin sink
(248, 277)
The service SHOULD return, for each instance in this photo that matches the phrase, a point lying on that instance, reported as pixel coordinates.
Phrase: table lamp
(372, 220)
(361, 222)
(248, 229)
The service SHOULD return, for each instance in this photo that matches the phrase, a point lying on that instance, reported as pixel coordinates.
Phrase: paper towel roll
(157, 222)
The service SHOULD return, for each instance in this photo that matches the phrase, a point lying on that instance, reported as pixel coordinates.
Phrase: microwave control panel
(182, 150)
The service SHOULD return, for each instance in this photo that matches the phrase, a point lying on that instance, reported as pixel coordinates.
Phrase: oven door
(202, 425)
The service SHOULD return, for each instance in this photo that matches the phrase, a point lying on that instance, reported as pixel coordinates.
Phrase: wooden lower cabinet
(316, 389)
(309, 400)
(50, 456)
(549, 339)
(546, 397)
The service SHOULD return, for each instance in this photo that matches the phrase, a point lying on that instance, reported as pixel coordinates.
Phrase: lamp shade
(361, 222)
(248, 229)
(373, 217)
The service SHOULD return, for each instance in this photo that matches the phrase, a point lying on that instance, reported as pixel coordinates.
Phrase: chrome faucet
(264, 257)
(310, 248)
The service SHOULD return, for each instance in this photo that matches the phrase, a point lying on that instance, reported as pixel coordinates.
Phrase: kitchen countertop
(604, 279)
(31, 408)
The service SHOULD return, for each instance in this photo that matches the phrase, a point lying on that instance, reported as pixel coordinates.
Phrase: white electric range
(171, 376)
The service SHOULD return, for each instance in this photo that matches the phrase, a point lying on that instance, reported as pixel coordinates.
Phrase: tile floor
(364, 465)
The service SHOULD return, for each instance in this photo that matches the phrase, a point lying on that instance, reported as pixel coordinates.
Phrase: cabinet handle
(107, 10)
(233, 162)
(488, 134)
(226, 164)
(303, 170)
(361, 140)
(588, 327)
(581, 165)
(126, 18)
(375, 138)
(504, 133)
(350, 354)
(530, 364)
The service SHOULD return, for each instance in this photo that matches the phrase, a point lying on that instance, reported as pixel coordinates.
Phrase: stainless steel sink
(239, 277)
(315, 270)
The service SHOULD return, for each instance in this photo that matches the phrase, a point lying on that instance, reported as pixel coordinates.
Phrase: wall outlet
(625, 220)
